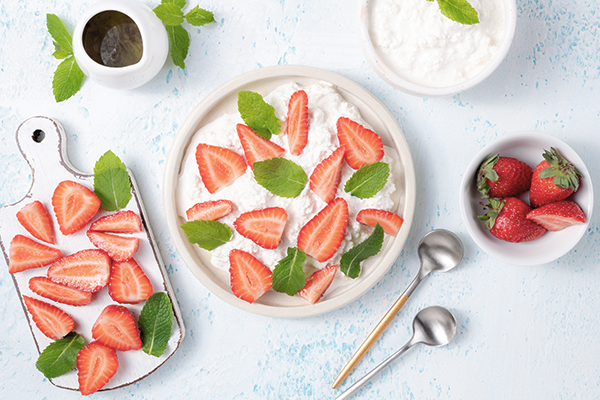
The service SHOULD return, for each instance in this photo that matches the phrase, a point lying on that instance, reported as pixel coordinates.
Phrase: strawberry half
(389, 221)
(121, 222)
(558, 216)
(218, 166)
(50, 320)
(507, 220)
(318, 283)
(128, 283)
(264, 227)
(255, 147)
(96, 364)
(45, 287)
(326, 177)
(87, 270)
(209, 210)
(501, 177)
(119, 248)
(35, 219)
(25, 253)
(362, 145)
(297, 122)
(553, 179)
(322, 235)
(74, 206)
(250, 279)
(116, 328)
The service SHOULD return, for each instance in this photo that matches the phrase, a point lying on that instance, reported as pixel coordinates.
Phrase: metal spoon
(439, 250)
(433, 326)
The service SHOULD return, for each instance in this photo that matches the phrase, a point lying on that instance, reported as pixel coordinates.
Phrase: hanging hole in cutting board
(38, 136)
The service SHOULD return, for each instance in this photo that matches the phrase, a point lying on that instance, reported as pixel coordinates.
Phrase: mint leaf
(350, 262)
(179, 40)
(67, 80)
(459, 11)
(169, 14)
(178, 3)
(257, 114)
(280, 176)
(207, 234)
(199, 17)
(155, 323)
(59, 33)
(288, 274)
(111, 182)
(59, 52)
(59, 357)
(367, 181)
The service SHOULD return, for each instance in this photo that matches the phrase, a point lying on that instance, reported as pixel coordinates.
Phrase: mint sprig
(111, 182)
(350, 261)
(368, 180)
(288, 274)
(155, 323)
(258, 114)
(280, 176)
(59, 357)
(207, 234)
(459, 11)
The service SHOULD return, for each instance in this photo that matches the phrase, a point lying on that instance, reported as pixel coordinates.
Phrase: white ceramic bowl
(527, 147)
(387, 74)
(263, 81)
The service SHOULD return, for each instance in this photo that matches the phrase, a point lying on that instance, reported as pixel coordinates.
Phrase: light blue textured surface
(524, 332)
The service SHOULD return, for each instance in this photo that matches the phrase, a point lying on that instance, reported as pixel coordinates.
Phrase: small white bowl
(387, 74)
(527, 147)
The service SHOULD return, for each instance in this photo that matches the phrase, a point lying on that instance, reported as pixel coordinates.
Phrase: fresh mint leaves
(280, 176)
(288, 274)
(155, 323)
(207, 234)
(258, 114)
(367, 181)
(59, 357)
(459, 11)
(350, 262)
(111, 182)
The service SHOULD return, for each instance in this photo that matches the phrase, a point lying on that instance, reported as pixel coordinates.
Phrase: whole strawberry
(553, 179)
(507, 220)
(501, 177)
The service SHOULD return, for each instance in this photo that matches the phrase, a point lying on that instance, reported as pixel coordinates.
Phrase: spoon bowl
(439, 250)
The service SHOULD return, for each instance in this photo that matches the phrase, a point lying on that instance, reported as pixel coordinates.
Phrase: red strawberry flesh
(209, 210)
(264, 227)
(116, 328)
(128, 283)
(249, 278)
(326, 177)
(218, 166)
(50, 320)
(119, 248)
(35, 219)
(74, 206)
(558, 216)
(362, 145)
(87, 270)
(96, 364)
(318, 283)
(45, 287)
(255, 147)
(389, 221)
(121, 222)
(322, 235)
(25, 253)
(297, 122)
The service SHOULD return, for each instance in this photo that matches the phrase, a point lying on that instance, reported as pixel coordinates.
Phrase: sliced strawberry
(325, 179)
(218, 166)
(87, 270)
(26, 253)
(209, 210)
(121, 222)
(264, 227)
(255, 147)
(36, 220)
(50, 320)
(363, 146)
(558, 216)
(318, 283)
(322, 235)
(116, 328)
(250, 279)
(74, 206)
(119, 248)
(389, 221)
(96, 364)
(297, 122)
(128, 283)
(58, 292)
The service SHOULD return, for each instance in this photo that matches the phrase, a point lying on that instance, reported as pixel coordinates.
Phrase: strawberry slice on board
(74, 206)
(318, 283)
(558, 216)
(218, 166)
(255, 147)
(297, 122)
(249, 278)
(264, 227)
(119, 248)
(50, 320)
(96, 364)
(87, 270)
(210, 210)
(60, 293)
(35, 219)
(25, 253)
(322, 235)
(362, 145)
(128, 283)
(116, 328)
(326, 177)
(389, 221)
(121, 222)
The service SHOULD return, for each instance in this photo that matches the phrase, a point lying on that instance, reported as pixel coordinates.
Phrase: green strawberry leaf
(67, 80)
(350, 262)
(169, 14)
(459, 11)
(59, 357)
(367, 181)
(59, 33)
(288, 274)
(257, 114)
(179, 40)
(199, 17)
(155, 323)
(280, 176)
(207, 234)
(111, 182)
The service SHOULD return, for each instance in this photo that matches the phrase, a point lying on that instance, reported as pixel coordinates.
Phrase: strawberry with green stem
(507, 220)
(554, 179)
(501, 177)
